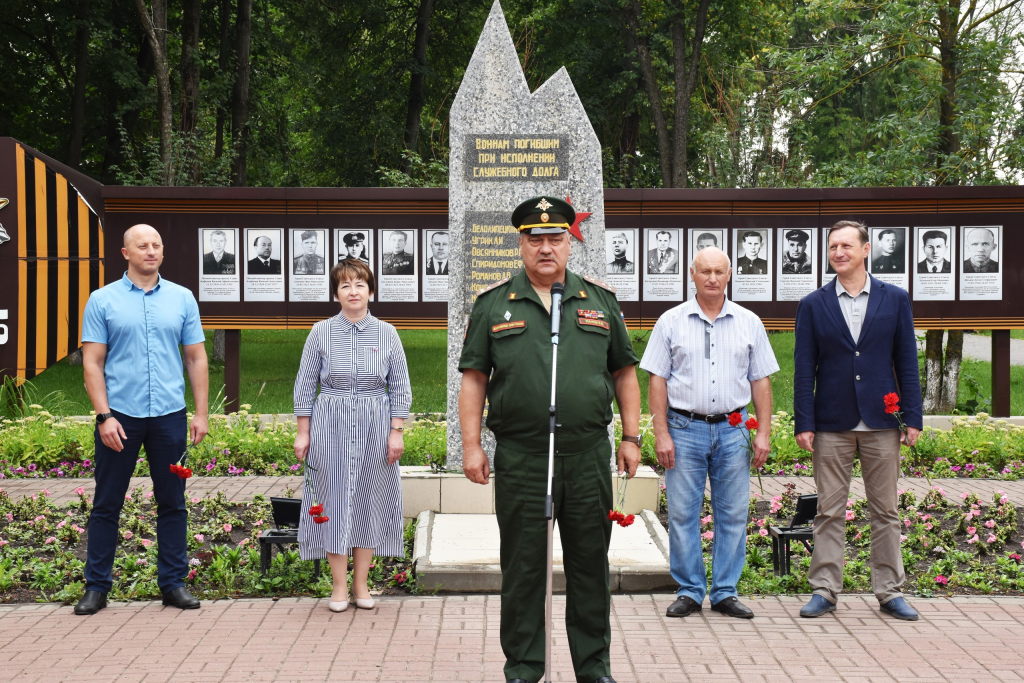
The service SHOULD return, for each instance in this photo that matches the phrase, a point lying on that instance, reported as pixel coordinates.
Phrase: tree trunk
(223, 62)
(240, 94)
(933, 371)
(156, 30)
(639, 41)
(75, 357)
(949, 141)
(685, 81)
(82, 34)
(218, 346)
(190, 18)
(951, 374)
(417, 82)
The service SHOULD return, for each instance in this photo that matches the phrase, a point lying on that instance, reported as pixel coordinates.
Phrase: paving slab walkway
(455, 638)
(244, 488)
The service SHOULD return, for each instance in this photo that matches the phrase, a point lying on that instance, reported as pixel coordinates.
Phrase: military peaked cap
(543, 215)
(796, 236)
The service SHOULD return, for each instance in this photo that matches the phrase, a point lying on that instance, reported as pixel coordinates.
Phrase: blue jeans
(164, 438)
(718, 450)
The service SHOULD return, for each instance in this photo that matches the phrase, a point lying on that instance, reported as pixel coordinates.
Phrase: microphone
(557, 292)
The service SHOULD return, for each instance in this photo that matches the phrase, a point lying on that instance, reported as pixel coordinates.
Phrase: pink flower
(1003, 500)
(195, 500)
(149, 494)
(971, 530)
(62, 524)
(199, 537)
(990, 524)
(258, 522)
(706, 520)
(941, 580)
(227, 527)
(851, 515)
(708, 535)
(762, 522)
(78, 528)
(903, 539)
(991, 538)
(763, 532)
(50, 540)
(39, 518)
(80, 491)
(127, 496)
(128, 535)
(243, 542)
(3, 542)
(928, 526)
(10, 517)
(973, 539)
(857, 537)
(908, 521)
(146, 542)
(192, 575)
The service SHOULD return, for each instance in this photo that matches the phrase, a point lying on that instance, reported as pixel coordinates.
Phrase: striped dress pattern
(363, 381)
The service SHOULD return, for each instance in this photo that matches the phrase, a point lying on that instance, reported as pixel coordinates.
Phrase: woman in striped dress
(350, 436)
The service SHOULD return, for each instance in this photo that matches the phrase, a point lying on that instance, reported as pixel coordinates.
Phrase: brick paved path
(456, 639)
(244, 488)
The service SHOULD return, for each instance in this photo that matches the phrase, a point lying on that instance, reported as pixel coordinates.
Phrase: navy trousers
(165, 438)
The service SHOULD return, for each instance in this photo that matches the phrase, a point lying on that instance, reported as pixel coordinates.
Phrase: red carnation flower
(735, 419)
(751, 423)
(627, 520)
(891, 399)
(892, 409)
(176, 469)
(321, 519)
(184, 472)
(316, 510)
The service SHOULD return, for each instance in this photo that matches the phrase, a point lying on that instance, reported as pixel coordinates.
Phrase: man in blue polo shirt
(133, 372)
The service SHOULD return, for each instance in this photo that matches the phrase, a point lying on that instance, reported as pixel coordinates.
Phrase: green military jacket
(509, 333)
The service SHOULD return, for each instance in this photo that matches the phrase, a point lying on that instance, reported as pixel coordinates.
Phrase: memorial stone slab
(508, 145)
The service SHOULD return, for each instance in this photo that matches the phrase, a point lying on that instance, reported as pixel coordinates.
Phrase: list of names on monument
(519, 157)
(494, 249)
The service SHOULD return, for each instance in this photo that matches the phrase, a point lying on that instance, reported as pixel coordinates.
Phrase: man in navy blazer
(855, 343)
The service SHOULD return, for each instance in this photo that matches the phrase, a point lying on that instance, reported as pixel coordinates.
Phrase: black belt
(710, 419)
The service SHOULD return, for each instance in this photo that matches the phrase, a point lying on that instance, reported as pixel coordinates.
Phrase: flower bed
(950, 546)
(43, 548)
(42, 445)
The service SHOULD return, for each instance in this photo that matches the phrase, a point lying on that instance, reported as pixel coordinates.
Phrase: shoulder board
(595, 281)
(499, 283)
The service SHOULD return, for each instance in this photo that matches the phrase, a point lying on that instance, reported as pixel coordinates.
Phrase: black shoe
(180, 598)
(732, 607)
(517, 680)
(604, 679)
(91, 603)
(683, 607)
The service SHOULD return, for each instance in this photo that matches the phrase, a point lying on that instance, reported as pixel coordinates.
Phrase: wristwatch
(638, 440)
(103, 417)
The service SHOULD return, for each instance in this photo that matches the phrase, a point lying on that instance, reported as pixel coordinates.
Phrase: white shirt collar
(695, 309)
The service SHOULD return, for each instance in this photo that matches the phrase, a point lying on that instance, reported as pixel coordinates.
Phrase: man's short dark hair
(751, 233)
(886, 232)
(351, 269)
(218, 232)
(666, 233)
(306, 234)
(859, 227)
(705, 235)
(256, 242)
(934, 235)
(404, 235)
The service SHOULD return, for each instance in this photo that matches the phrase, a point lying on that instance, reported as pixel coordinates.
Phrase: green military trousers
(582, 491)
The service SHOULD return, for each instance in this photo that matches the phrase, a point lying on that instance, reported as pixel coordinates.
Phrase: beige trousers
(833, 463)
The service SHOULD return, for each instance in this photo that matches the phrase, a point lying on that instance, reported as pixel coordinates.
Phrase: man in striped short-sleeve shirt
(706, 358)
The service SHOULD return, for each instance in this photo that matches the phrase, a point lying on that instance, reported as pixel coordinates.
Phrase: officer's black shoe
(91, 603)
(731, 607)
(683, 607)
(517, 680)
(181, 598)
(604, 679)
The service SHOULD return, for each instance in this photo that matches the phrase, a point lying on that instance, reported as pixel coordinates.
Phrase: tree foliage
(700, 93)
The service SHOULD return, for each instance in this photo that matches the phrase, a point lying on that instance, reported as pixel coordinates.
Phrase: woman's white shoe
(337, 606)
(364, 603)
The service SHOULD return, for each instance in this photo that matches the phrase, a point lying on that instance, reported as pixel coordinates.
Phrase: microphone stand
(557, 292)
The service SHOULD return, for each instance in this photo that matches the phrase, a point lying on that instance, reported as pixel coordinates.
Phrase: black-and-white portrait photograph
(751, 252)
(219, 272)
(619, 252)
(934, 247)
(437, 252)
(218, 251)
(888, 251)
(662, 252)
(353, 244)
(797, 252)
(309, 251)
(399, 252)
(263, 252)
(980, 249)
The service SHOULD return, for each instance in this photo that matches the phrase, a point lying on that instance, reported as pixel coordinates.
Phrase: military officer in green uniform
(506, 357)
(309, 262)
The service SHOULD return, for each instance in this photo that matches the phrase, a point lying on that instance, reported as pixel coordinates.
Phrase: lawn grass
(270, 360)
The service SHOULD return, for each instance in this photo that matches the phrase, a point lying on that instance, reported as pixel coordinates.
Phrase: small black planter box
(286, 518)
(801, 529)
